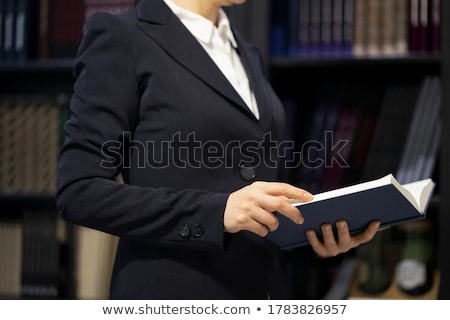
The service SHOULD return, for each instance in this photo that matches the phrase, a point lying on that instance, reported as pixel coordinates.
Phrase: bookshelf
(41, 256)
(444, 217)
(362, 80)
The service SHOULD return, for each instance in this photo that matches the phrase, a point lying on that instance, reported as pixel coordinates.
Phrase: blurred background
(372, 72)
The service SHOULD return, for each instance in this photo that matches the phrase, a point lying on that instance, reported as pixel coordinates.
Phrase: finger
(287, 190)
(344, 237)
(257, 228)
(329, 240)
(368, 234)
(265, 218)
(282, 206)
(316, 244)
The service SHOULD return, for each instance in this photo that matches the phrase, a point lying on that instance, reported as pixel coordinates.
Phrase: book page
(348, 190)
(417, 193)
(421, 191)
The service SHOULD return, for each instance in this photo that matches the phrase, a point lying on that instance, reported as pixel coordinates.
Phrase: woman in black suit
(171, 98)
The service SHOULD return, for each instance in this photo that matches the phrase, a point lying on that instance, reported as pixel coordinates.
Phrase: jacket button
(197, 231)
(185, 231)
(247, 173)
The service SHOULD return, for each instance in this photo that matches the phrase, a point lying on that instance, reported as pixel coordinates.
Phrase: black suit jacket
(149, 103)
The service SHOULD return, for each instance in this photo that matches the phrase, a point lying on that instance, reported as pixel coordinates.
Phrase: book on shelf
(361, 148)
(435, 25)
(344, 137)
(413, 24)
(41, 256)
(316, 145)
(420, 152)
(383, 199)
(424, 24)
(394, 120)
(279, 29)
(401, 27)
(8, 29)
(2, 27)
(29, 140)
(326, 27)
(10, 254)
(18, 29)
(303, 27)
(359, 47)
(42, 29)
(361, 27)
(348, 27)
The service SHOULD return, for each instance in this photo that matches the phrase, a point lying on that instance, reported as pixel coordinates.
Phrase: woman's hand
(251, 208)
(332, 246)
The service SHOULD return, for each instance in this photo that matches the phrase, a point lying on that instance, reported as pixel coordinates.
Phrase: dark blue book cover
(279, 27)
(383, 199)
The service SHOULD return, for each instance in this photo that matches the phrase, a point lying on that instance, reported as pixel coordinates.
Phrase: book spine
(422, 44)
(375, 27)
(436, 26)
(348, 26)
(10, 255)
(21, 30)
(9, 32)
(362, 147)
(409, 153)
(29, 137)
(345, 135)
(414, 25)
(337, 28)
(401, 27)
(314, 26)
(361, 25)
(326, 36)
(43, 30)
(2, 28)
(388, 20)
(65, 26)
(292, 28)
(425, 138)
(303, 27)
(278, 26)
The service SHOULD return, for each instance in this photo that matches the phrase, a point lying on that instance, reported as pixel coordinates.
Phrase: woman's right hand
(252, 207)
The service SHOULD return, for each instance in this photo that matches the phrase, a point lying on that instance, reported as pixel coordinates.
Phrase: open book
(383, 199)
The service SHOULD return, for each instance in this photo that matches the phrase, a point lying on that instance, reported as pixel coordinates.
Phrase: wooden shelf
(35, 201)
(352, 61)
(51, 65)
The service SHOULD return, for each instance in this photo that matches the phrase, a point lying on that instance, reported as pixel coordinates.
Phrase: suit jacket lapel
(157, 21)
(251, 60)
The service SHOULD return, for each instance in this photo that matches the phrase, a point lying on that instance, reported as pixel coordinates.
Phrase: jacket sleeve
(104, 106)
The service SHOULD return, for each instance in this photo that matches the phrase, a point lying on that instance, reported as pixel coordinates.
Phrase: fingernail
(300, 220)
(307, 196)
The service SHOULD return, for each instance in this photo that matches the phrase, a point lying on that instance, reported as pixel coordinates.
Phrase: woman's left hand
(331, 246)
